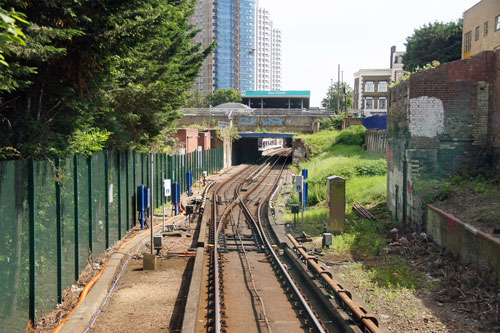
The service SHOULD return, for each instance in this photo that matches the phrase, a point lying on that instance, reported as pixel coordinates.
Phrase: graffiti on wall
(264, 121)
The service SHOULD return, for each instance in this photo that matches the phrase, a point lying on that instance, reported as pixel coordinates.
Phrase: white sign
(110, 193)
(298, 181)
(222, 124)
(166, 187)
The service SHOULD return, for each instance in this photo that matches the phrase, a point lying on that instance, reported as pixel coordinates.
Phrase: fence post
(77, 219)
(32, 266)
(91, 204)
(106, 193)
(58, 230)
(148, 176)
(142, 170)
(127, 189)
(119, 187)
(157, 177)
(134, 180)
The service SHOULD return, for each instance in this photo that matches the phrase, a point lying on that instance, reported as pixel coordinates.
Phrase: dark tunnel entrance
(251, 146)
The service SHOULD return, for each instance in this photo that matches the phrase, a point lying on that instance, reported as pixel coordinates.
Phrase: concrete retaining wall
(471, 246)
(376, 142)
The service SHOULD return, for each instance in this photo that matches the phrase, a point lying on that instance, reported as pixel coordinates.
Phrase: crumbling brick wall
(441, 121)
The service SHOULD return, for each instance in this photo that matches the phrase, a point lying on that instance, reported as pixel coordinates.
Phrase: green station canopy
(284, 93)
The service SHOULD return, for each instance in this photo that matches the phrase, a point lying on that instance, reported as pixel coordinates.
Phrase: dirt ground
(444, 295)
(150, 298)
(476, 203)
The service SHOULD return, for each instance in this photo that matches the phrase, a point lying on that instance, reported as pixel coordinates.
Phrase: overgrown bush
(354, 135)
(331, 122)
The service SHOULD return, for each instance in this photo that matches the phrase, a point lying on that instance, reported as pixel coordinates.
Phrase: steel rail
(258, 224)
(216, 229)
(361, 316)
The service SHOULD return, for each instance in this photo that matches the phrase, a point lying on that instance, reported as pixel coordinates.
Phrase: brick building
(440, 122)
(187, 139)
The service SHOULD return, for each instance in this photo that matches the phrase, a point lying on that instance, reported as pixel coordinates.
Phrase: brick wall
(187, 138)
(204, 140)
(440, 122)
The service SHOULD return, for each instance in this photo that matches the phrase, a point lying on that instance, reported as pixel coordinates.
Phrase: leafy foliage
(332, 122)
(354, 135)
(9, 31)
(88, 142)
(223, 96)
(330, 101)
(434, 41)
(230, 133)
(122, 67)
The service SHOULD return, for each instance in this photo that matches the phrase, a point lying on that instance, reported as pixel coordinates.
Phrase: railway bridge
(247, 119)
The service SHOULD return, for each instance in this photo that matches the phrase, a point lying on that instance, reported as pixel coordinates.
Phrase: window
(369, 86)
(382, 86)
(497, 23)
(382, 103)
(467, 41)
(369, 103)
(476, 37)
(485, 32)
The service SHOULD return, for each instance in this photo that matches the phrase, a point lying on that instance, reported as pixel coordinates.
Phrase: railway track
(249, 288)
(249, 284)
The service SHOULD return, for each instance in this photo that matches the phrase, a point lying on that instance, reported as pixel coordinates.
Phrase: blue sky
(320, 34)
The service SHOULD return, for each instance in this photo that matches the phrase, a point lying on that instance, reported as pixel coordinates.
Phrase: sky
(318, 35)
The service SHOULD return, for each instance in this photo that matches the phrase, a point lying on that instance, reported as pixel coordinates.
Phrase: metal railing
(214, 112)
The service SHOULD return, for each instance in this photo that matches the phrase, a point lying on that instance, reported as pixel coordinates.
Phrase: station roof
(278, 94)
(265, 135)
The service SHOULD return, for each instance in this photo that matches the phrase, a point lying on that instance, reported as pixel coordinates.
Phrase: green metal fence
(54, 214)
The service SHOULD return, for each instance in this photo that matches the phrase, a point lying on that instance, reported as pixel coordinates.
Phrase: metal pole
(119, 187)
(163, 203)
(32, 266)
(342, 80)
(151, 156)
(106, 193)
(91, 205)
(58, 231)
(77, 220)
(338, 91)
(127, 189)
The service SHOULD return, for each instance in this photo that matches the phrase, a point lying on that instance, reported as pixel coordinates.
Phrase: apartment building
(276, 60)
(370, 94)
(268, 51)
(204, 20)
(232, 24)
(481, 28)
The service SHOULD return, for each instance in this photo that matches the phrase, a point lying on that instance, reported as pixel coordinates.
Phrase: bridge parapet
(283, 120)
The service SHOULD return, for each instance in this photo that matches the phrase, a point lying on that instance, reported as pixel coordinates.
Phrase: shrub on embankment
(339, 153)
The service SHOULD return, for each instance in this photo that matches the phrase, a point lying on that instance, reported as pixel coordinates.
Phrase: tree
(330, 101)
(224, 96)
(197, 100)
(434, 41)
(9, 31)
(113, 67)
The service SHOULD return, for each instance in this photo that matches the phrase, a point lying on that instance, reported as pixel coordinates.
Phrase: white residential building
(371, 90)
(268, 53)
(276, 60)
